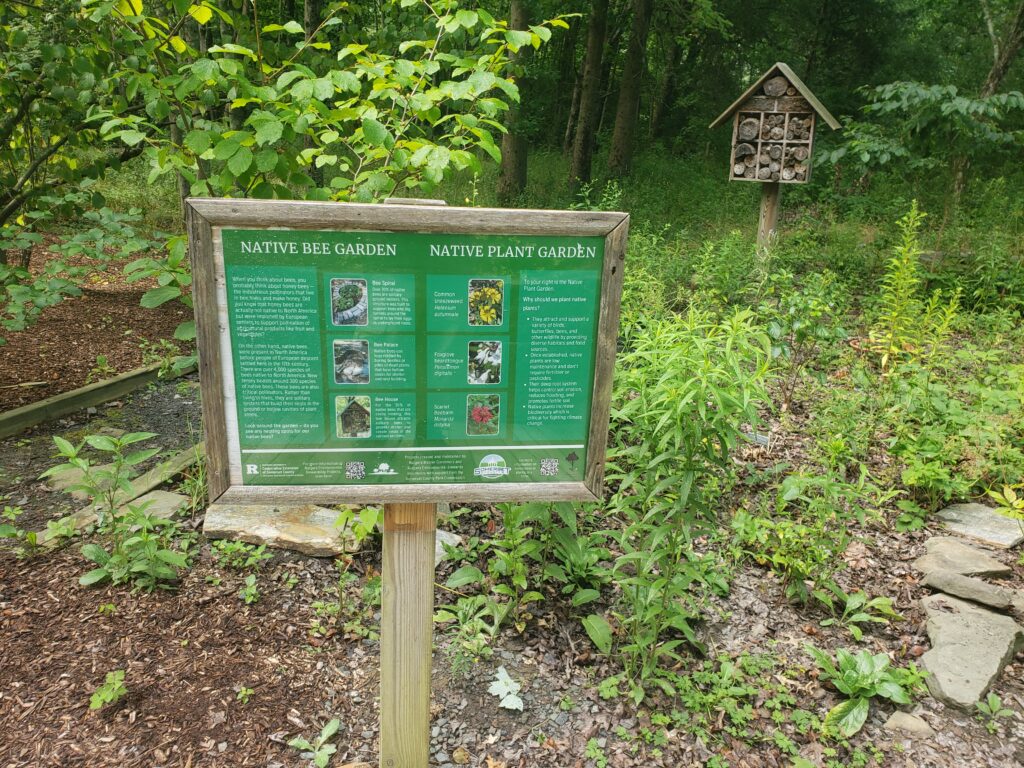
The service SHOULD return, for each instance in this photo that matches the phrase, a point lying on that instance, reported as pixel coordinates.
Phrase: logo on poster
(252, 469)
(491, 466)
(384, 469)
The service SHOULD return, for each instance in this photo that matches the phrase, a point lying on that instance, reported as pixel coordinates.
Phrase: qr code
(355, 470)
(549, 467)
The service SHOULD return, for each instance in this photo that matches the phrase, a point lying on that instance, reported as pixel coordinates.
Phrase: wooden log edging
(18, 419)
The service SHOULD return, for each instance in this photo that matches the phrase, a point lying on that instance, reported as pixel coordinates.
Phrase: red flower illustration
(481, 414)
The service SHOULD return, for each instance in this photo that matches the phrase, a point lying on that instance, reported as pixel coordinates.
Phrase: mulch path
(57, 352)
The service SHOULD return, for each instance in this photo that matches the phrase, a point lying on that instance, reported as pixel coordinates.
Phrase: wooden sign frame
(206, 218)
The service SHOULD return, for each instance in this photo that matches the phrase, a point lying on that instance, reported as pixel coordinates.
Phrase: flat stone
(970, 648)
(912, 724)
(982, 523)
(305, 528)
(949, 554)
(442, 538)
(160, 503)
(970, 588)
(66, 478)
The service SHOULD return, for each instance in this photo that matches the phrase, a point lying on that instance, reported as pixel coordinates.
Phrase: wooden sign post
(406, 634)
(404, 354)
(773, 138)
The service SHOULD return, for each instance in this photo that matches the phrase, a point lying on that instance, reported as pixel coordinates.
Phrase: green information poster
(375, 358)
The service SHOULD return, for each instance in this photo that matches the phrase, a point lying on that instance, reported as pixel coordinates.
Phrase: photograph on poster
(484, 362)
(482, 412)
(349, 301)
(351, 361)
(486, 301)
(353, 416)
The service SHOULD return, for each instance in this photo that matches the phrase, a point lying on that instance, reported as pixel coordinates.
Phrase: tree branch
(991, 27)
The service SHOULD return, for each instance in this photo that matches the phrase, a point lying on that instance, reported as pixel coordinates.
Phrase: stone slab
(949, 554)
(304, 528)
(970, 588)
(160, 503)
(970, 648)
(442, 538)
(908, 723)
(68, 478)
(982, 523)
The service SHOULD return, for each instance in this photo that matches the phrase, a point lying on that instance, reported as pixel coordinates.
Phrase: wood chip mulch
(57, 352)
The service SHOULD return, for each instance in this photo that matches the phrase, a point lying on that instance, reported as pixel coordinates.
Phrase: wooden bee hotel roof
(776, 104)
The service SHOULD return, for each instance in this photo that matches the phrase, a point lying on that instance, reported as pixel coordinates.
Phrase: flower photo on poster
(482, 412)
(484, 362)
(486, 301)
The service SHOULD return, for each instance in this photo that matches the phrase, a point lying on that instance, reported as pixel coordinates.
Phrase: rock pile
(972, 637)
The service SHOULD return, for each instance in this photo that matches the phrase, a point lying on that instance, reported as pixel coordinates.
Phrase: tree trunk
(287, 10)
(574, 113)
(666, 92)
(514, 151)
(311, 17)
(620, 157)
(183, 186)
(1004, 52)
(608, 70)
(567, 78)
(590, 97)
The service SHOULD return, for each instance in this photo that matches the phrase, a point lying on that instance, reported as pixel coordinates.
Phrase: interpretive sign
(400, 352)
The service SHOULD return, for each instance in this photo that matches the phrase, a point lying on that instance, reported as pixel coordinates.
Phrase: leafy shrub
(683, 395)
(802, 538)
(103, 485)
(908, 329)
(862, 677)
(112, 689)
(142, 552)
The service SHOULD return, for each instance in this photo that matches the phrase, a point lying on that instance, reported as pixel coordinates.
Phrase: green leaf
(330, 729)
(466, 19)
(65, 448)
(94, 576)
(240, 161)
(268, 131)
(198, 141)
(186, 331)
(517, 38)
(467, 574)
(226, 148)
(892, 691)
(96, 553)
(233, 48)
(157, 296)
(132, 137)
(599, 631)
(200, 13)
(140, 456)
(169, 556)
(375, 132)
(266, 160)
(584, 596)
(292, 27)
(848, 717)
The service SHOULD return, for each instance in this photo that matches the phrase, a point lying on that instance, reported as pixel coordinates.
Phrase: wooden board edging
(19, 419)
